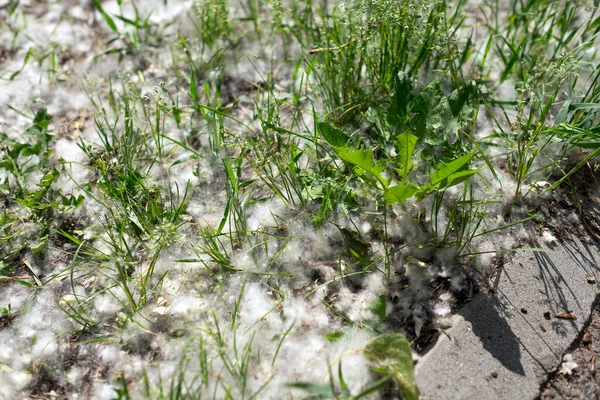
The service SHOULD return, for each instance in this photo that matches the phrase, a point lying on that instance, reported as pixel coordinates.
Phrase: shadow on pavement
(489, 324)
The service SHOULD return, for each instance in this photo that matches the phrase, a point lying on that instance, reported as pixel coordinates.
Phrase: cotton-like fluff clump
(442, 308)
(256, 305)
(15, 295)
(103, 390)
(308, 243)
(305, 356)
(70, 152)
(32, 337)
(404, 227)
(548, 238)
(110, 354)
(266, 214)
(413, 300)
(106, 305)
(12, 383)
(309, 313)
(357, 306)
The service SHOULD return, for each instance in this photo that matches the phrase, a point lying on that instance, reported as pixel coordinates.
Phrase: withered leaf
(565, 315)
(587, 338)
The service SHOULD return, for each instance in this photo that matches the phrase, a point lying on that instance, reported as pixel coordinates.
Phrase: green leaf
(40, 124)
(25, 61)
(106, 17)
(42, 118)
(586, 145)
(343, 384)
(397, 111)
(445, 174)
(334, 136)
(314, 388)
(47, 179)
(584, 106)
(593, 25)
(193, 88)
(375, 117)
(355, 244)
(400, 193)
(379, 307)
(429, 109)
(364, 160)
(5, 368)
(334, 336)
(38, 245)
(459, 177)
(461, 100)
(563, 113)
(405, 146)
(391, 353)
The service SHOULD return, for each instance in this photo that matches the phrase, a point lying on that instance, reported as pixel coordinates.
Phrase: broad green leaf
(405, 146)
(26, 149)
(391, 353)
(379, 307)
(443, 171)
(6, 164)
(364, 160)
(458, 177)
(399, 194)
(334, 136)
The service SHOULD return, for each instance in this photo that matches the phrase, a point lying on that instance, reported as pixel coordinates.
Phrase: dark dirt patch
(5, 320)
(47, 383)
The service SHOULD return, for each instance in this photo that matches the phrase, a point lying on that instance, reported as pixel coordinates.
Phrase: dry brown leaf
(565, 315)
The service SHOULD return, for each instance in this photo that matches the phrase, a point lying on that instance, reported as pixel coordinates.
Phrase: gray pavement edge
(504, 343)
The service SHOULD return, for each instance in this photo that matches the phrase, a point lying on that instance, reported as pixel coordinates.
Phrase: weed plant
(379, 121)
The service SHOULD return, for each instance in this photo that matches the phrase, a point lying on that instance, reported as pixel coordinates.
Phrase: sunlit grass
(378, 121)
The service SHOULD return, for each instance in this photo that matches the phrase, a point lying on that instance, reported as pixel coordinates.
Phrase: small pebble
(494, 374)
(523, 310)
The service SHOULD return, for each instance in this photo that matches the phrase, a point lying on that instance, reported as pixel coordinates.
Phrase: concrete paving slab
(503, 343)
